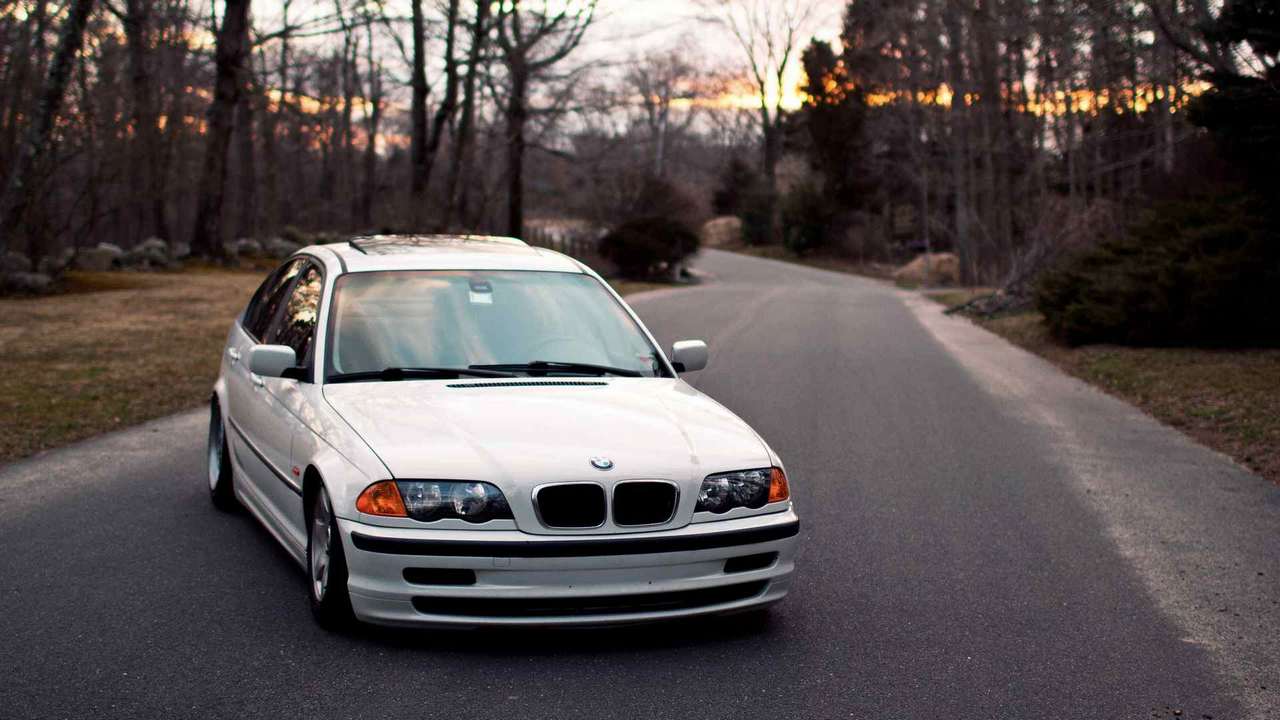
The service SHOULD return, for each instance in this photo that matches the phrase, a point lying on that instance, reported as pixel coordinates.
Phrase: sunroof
(401, 244)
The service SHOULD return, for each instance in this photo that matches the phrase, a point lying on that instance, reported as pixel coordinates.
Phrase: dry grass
(116, 349)
(1228, 400)
(879, 271)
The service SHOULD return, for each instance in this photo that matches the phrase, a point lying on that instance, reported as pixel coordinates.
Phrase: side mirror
(689, 355)
(272, 360)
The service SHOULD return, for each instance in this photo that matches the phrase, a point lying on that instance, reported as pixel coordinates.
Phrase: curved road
(984, 538)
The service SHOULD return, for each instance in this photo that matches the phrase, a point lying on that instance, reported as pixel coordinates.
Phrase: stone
(153, 245)
(180, 250)
(248, 247)
(146, 257)
(29, 282)
(280, 248)
(95, 259)
(16, 262)
(115, 250)
(51, 265)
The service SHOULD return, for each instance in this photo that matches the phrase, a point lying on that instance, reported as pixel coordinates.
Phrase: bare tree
(531, 42)
(232, 46)
(662, 82)
(17, 192)
(461, 151)
(769, 34)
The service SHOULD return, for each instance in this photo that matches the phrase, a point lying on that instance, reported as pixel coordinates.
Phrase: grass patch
(119, 348)
(1228, 400)
(879, 271)
(112, 351)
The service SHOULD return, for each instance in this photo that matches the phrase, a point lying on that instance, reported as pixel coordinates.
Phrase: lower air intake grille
(571, 505)
(605, 605)
(643, 503)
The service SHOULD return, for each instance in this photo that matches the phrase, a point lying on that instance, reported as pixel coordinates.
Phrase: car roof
(446, 252)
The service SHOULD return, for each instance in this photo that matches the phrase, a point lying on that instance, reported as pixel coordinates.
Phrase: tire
(326, 567)
(221, 479)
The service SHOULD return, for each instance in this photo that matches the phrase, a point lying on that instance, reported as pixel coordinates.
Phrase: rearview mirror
(689, 355)
(272, 360)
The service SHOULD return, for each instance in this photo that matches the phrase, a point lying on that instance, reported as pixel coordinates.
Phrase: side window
(297, 326)
(268, 299)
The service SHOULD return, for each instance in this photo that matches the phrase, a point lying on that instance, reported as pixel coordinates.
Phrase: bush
(736, 180)
(646, 247)
(1200, 272)
(742, 193)
(660, 197)
(806, 219)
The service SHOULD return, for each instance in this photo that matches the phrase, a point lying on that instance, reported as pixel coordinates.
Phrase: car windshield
(459, 319)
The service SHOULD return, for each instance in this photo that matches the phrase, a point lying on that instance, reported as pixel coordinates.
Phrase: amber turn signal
(382, 498)
(778, 489)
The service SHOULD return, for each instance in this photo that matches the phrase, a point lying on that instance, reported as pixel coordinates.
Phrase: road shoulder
(1198, 528)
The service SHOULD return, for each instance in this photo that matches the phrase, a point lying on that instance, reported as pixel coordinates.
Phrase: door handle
(257, 381)
(234, 354)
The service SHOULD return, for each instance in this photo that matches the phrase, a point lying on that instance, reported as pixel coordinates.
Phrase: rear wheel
(221, 484)
(327, 566)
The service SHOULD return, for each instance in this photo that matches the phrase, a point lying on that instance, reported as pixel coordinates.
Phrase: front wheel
(221, 483)
(327, 567)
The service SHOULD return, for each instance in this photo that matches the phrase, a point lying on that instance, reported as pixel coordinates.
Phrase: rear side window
(297, 326)
(268, 299)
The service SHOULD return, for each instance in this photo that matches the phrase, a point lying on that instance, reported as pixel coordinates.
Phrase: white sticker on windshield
(480, 292)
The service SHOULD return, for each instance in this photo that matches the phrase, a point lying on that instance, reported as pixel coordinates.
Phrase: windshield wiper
(393, 374)
(546, 366)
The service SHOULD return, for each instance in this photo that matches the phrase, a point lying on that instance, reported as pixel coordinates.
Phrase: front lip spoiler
(573, 548)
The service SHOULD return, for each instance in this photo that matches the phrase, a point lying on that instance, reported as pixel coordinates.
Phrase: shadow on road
(665, 635)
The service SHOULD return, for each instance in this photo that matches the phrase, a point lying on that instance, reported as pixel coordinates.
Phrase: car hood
(522, 433)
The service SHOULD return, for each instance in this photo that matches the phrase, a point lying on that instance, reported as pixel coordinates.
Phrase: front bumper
(522, 579)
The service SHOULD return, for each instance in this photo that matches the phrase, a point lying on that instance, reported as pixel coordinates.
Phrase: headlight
(428, 500)
(742, 488)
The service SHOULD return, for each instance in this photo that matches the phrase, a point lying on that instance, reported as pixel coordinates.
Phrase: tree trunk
(147, 196)
(17, 192)
(419, 171)
(247, 188)
(229, 64)
(460, 162)
(444, 113)
(517, 116)
(772, 147)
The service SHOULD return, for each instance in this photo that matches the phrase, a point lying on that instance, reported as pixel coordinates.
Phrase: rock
(944, 269)
(16, 262)
(53, 264)
(96, 259)
(724, 231)
(146, 257)
(180, 250)
(115, 250)
(230, 250)
(248, 247)
(27, 282)
(280, 248)
(153, 245)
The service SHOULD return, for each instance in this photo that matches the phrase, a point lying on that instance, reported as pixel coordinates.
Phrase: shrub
(660, 197)
(806, 219)
(737, 181)
(743, 193)
(646, 247)
(1199, 272)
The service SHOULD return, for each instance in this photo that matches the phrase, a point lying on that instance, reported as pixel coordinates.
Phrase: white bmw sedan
(471, 431)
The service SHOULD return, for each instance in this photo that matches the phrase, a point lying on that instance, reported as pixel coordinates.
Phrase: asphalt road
(984, 538)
